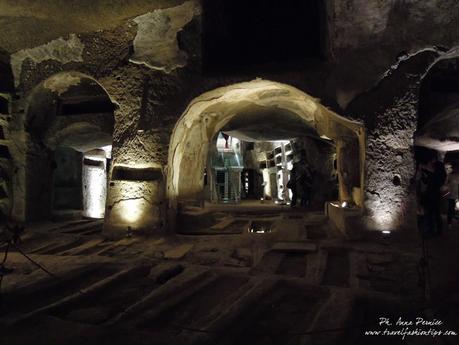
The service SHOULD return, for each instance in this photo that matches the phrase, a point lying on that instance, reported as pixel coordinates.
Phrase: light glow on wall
(131, 205)
(386, 207)
(136, 196)
(94, 188)
(385, 220)
(132, 210)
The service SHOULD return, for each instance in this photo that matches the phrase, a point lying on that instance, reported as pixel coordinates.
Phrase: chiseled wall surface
(390, 115)
(367, 36)
(147, 56)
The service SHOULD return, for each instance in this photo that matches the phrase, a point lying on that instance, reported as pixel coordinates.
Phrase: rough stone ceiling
(30, 23)
(82, 138)
(70, 91)
(266, 124)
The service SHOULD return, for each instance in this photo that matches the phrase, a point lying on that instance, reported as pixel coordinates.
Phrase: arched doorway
(207, 115)
(69, 121)
(437, 135)
(255, 155)
(438, 120)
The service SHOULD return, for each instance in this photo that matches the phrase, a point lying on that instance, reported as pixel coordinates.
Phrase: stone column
(390, 114)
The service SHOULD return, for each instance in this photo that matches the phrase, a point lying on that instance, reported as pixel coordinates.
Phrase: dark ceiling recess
(453, 157)
(3, 106)
(136, 174)
(242, 33)
(423, 154)
(86, 105)
(6, 75)
(439, 90)
(4, 152)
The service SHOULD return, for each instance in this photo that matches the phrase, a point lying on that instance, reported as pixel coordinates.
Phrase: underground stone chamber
(69, 121)
(438, 111)
(177, 132)
(437, 136)
(252, 156)
(257, 112)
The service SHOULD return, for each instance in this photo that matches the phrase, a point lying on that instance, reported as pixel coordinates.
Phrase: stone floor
(277, 277)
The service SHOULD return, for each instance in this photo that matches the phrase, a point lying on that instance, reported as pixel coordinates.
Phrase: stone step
(299, 247)
(67, 215)
(84, 248)
(205, 303)
(268, 264)
(178, 252)
(81, 228)
(274, 312)
(161, 298)
(30, 298)
(334, 314)
(337, 270)
(89, 292)
(57, 246)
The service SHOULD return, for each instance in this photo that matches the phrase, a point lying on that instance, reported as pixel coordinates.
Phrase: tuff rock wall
(147, 56)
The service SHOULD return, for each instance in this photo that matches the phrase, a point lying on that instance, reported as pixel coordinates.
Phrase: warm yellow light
(132, 210)
(384, 220)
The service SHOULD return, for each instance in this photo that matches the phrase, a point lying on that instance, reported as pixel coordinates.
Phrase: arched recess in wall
(207, 114)
(70, 122)
(438, 108)
(437, 135)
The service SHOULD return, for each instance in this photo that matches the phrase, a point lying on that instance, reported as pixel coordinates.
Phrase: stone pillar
(390, 115)
(135, 201)
(135, 195)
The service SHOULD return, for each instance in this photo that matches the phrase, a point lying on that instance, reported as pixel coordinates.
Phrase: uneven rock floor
(277, 278)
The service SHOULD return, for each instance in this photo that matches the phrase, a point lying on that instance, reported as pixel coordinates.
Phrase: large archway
(209, 113)
(438, 120)
(69, 121)
(437, 136)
